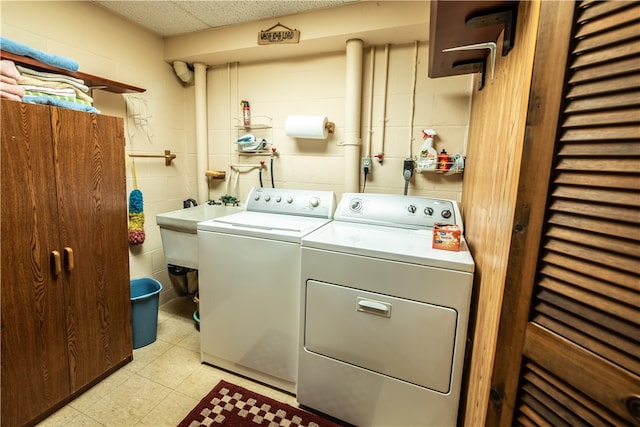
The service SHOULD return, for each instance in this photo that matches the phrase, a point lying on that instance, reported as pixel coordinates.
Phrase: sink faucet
(188, 203)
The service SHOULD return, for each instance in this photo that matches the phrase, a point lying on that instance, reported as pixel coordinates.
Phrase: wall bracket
(473, 67)
(503, 16)
(476, 66)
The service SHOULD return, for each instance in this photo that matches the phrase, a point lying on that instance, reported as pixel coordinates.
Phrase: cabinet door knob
(68, 258)
(56, 263)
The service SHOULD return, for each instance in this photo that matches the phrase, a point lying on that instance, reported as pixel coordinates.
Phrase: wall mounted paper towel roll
(312, 127)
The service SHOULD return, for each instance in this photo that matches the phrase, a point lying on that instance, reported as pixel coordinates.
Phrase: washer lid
(289, 228)
(389, 243)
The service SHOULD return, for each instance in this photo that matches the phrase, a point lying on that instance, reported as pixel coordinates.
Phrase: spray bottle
(246, 113)
(428, 155)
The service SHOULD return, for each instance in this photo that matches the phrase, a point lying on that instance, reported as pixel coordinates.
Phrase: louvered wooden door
(581, 342)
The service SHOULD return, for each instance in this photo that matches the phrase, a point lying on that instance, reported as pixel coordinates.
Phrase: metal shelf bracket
(504, 16)
(477, 66)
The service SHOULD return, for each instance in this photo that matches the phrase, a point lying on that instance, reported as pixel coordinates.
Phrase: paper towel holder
(309, 127)
(330, 127)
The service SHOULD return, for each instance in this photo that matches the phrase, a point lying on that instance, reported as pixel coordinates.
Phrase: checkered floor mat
(233, 406)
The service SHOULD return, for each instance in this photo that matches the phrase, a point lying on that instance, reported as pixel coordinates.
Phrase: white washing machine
(383, 315)
(249, 273)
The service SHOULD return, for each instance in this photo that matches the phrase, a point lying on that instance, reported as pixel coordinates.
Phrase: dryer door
(404, 339)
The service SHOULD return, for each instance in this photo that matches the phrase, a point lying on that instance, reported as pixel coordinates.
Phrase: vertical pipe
(384, 97)
(353, 98)
(202, 153)
(413, 98)
(372, 66)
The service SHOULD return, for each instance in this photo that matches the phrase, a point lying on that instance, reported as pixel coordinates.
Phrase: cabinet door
(92, 201)
(35, 371)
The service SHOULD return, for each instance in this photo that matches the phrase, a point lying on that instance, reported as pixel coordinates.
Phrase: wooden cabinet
(65, 305)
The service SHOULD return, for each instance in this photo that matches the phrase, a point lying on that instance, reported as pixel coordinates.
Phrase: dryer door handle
(374, 307)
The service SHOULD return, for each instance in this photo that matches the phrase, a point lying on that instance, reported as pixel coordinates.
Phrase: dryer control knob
(256, 197)
(267, 198)
(355, 205)
(278, 199)
(428, 211)
(446, 213)
(314, 202)
(289, 199)
(412, 208)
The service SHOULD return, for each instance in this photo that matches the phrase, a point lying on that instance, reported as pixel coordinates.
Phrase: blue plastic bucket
(145, 296)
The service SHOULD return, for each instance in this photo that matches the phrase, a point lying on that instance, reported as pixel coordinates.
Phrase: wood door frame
(545, 101)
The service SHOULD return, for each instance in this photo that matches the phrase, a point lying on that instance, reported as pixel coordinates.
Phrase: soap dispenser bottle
(428, 155)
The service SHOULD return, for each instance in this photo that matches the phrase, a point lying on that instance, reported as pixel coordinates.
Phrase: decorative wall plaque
(271, 36)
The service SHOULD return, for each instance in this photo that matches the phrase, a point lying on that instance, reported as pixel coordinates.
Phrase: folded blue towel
(48, 58)
(48, 100)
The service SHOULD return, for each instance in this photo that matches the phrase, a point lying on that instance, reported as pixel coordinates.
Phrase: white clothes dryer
(383, 314)
(249, 273)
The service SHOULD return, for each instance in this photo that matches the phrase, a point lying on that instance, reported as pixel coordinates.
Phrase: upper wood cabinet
(462, 23)
(66, 312)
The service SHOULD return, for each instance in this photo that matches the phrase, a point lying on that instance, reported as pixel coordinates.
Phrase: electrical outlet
(408, 167)
(365, 162)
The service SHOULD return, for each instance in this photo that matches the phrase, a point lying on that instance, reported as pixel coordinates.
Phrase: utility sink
(179, 231)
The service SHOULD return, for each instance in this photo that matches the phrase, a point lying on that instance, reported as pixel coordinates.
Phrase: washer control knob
(428, 211)
(278, 199)
(446, 213)
(256, 197)
(314, 202)
(267, 198)
(289, 199)
(412, 208)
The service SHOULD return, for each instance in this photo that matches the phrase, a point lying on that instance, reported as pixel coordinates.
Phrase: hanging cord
(273, 154)
(260, 172)
(271, 171)
(364, 184)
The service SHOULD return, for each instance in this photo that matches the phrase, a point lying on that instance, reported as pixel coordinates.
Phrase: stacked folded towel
(39, 87)
(55, 89)
(9, 76)
(47, 58)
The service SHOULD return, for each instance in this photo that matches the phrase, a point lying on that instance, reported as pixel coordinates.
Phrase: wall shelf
(261, 129)
(94, 82)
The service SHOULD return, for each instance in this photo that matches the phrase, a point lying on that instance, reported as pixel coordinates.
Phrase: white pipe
(413, 99)
(384, 97)
(202, 152)
(353, 98)
(372, 65)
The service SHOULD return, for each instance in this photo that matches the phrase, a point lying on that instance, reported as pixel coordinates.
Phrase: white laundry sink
(178, 230)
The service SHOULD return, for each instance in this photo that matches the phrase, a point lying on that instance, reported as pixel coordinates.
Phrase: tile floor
(161, 385)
